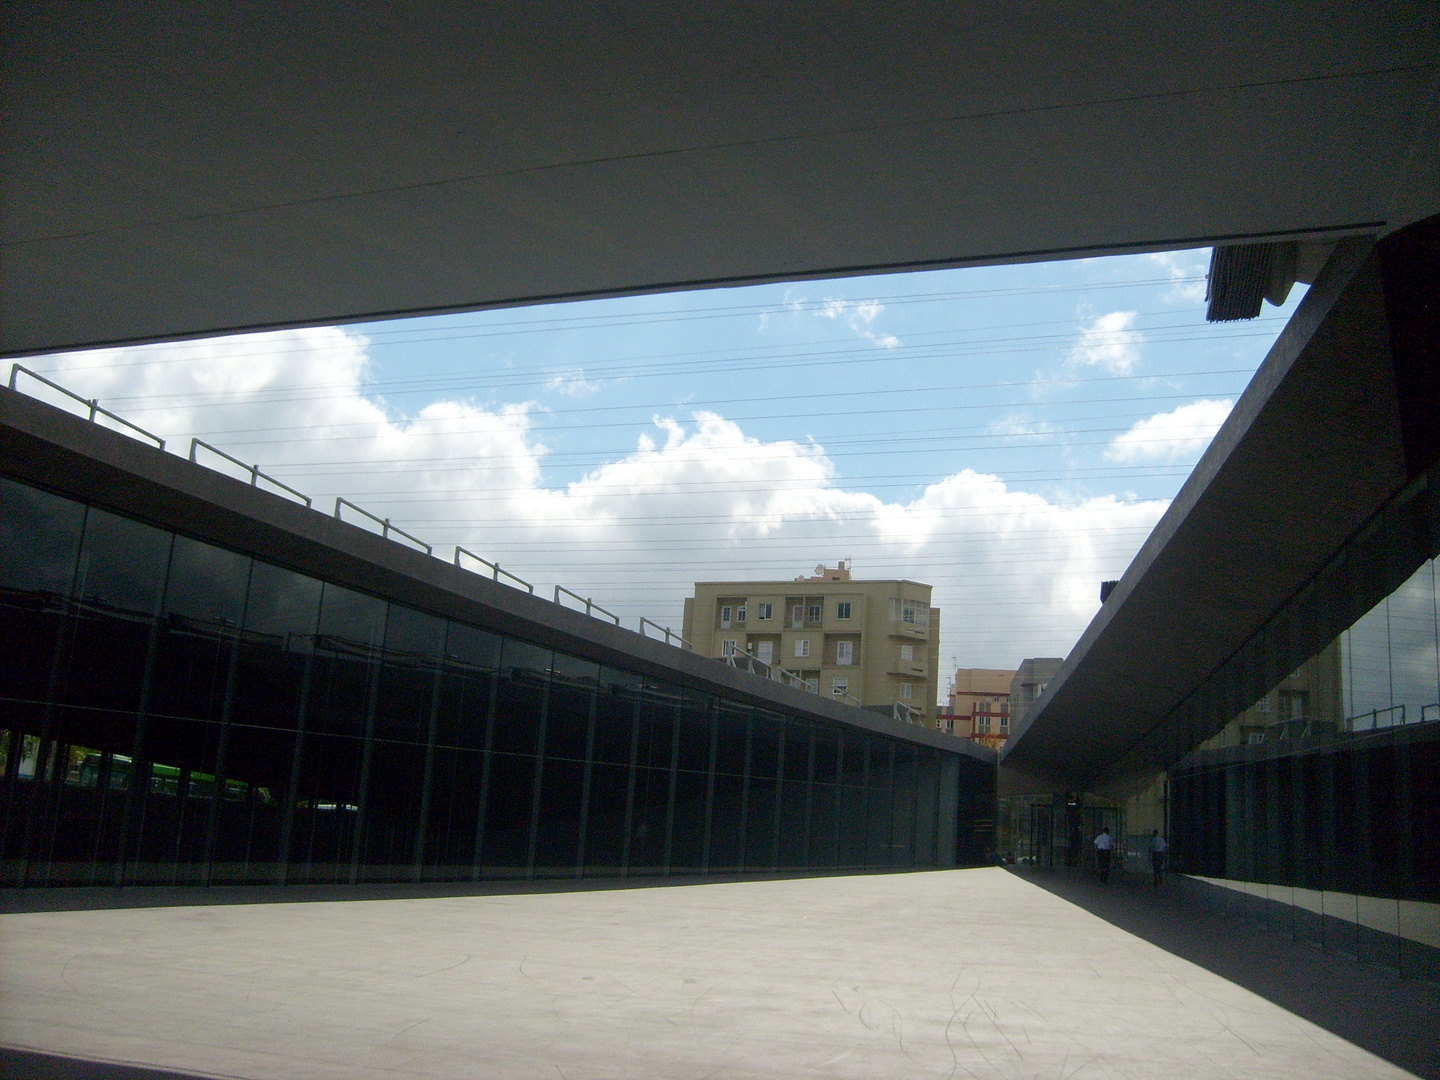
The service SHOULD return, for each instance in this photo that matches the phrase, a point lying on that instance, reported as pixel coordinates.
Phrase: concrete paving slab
(966, 973)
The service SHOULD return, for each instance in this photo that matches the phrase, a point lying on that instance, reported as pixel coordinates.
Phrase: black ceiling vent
(1239, 277)
(1242, 275)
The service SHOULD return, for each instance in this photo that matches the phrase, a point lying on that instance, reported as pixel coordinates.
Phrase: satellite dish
(820, 570)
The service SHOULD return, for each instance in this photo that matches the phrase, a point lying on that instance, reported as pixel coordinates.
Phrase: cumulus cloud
(571, 383)
(858, 315)
(1110, 343)
(1015, 574)
(1180, 434)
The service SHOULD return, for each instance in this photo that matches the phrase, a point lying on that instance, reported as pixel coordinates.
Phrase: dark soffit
(177, 170)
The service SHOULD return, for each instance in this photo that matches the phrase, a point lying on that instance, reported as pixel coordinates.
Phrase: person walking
(1158, 847)
(1103, 846)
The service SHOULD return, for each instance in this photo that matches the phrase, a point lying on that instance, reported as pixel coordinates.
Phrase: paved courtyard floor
(964, 973)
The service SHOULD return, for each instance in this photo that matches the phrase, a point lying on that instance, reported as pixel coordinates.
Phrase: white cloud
(571, 383)
(1182, 433)
(1015, 574)
(1016, 425)
(1109, 342)
(1187, 269)
(858, 315)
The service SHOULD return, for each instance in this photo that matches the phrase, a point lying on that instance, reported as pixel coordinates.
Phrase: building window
(813, 685)
(982, 725)
(907, 652)
(817, 611)
(727, 647)
(842, 610)
(797, 616)
(765, 610)
(802, 647)
(909, 612)
(905, 690)
(1004, 723)
(839, 687)
(765, 651)
(844, 653)
(740, 613)
(725, 615)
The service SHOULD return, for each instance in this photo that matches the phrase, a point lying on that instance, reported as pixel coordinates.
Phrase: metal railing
(385, 527)
(644, 622)
(93, 404)
(495, 571)
(589, 604)
(908, 714)
(254, 470)
(1374, 716)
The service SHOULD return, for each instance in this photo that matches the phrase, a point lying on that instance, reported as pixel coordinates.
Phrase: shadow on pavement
(1373, 1007)
(29, 1065)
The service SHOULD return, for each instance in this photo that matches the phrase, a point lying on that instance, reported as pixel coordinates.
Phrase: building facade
(979, 706)
(871, 643)
(204, 683)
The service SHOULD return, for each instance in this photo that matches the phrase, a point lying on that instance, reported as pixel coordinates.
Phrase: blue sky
(1007, 434)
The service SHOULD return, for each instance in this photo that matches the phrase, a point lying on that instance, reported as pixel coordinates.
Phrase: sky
(1009, 435)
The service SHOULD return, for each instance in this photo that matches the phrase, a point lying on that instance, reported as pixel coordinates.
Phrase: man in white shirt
(1158, 848)
(1103, 846)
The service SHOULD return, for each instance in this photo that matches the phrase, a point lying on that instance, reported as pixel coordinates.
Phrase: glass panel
(733, 723)
(605, 822)
(695, 719)
(458, 776)
(472, 658)
(902, 839)
(572, 696)
(120, 578)
(726, 816)
(655, 746)
(206, 584)
(557, 840)
(39, 539)
(39, 545)
(507, 815)
(520, 697)
(879, 804)
(649, 821)
(795, 796)
(282, 604)
(122, 564)
(615, 711)
(410, 686)
(687, 843)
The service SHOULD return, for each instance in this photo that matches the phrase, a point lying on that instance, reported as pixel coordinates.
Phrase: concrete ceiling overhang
(177, 169)
(1338, 420)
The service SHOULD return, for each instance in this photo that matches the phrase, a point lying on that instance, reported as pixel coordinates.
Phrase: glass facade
(1331, 781)
(1299, 785)
(173, 712)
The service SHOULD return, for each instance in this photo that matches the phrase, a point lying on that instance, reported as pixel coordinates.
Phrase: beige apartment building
(980, 705)
(872, 643)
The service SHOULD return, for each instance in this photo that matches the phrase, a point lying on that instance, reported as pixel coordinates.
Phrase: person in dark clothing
(1157, 856)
